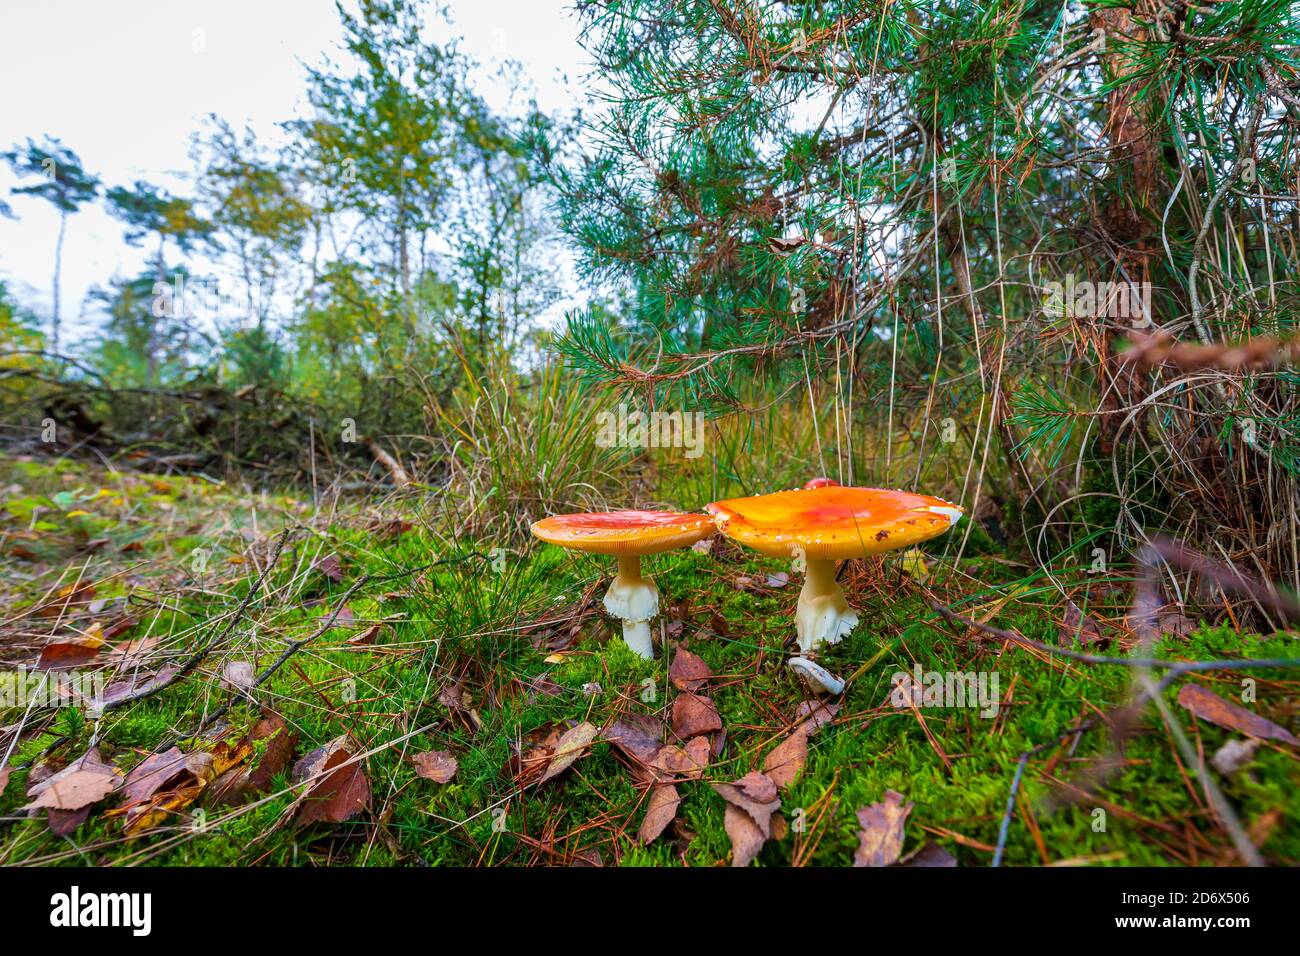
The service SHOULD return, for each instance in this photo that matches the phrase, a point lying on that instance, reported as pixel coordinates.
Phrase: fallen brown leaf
(531, 756)
(234, 785)
(85, 781)
(751, 802)
(770, 582)
(1167, 620)
(64, 822)
(436, 765)
(453, 695)
(542, 686)
(929, 855)
(688, 762)
(1174, 622)
(688, 671)
(152, 774)
(331, 567)
(636, 737)
(1210, 706)
(693, 715)
(662, 809)
(814, 714)
(341, 789)
(226, 755)
(367, 637)
(237, 675)
(132, 652)
(747, 838)
(785, 761)
(165, 787)
(455, 699)
(572, 745)
(756, 794)
(164, 806)
(137, 683)
(66, 598)
(78, 789)
(118, 627)
(279, 750)
(881, 838)
(67, 654)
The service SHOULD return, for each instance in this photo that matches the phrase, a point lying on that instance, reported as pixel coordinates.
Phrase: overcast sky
(125, 83)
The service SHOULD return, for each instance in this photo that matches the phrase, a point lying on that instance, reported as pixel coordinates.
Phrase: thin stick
(201, 654)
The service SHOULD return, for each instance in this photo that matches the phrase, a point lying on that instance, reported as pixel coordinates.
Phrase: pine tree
(149, 211)
(871, 201)
(66, 185)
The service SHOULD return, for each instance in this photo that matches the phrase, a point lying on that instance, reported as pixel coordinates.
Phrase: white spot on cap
(953, 514)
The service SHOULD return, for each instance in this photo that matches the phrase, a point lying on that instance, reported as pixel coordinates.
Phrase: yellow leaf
(93, 637)
(226, 755)
(914, 565)
(162, 808)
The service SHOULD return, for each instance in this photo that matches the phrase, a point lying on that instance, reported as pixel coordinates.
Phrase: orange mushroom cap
(833, 522)
(627, 533)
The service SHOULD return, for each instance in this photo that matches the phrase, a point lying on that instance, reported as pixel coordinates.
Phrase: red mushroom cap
(833, 522)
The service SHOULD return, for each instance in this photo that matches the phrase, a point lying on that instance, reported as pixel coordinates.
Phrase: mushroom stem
(634, 600)
(823, 615)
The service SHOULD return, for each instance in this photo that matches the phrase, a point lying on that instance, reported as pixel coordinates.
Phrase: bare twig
(201, 654)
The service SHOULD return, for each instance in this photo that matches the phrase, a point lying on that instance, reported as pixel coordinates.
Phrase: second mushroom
(824, 523)
(629, 536)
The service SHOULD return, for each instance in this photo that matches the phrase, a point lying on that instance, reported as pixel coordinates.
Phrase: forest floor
(377, 692)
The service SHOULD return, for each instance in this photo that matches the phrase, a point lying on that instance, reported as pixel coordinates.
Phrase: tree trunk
(177, 306)
(1124, 211)
(404, 263)
(58, 274)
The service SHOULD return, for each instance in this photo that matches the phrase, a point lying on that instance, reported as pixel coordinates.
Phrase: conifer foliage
(957, 209)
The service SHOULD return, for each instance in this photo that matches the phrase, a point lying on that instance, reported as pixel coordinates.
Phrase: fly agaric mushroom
(628, 535)
(824, 523)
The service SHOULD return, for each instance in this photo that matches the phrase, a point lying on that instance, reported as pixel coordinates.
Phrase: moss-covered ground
(513, 623)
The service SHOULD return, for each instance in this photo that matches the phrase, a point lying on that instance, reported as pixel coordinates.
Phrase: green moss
(463, 618)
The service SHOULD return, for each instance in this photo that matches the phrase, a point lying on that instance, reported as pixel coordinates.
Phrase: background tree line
(348, 270)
